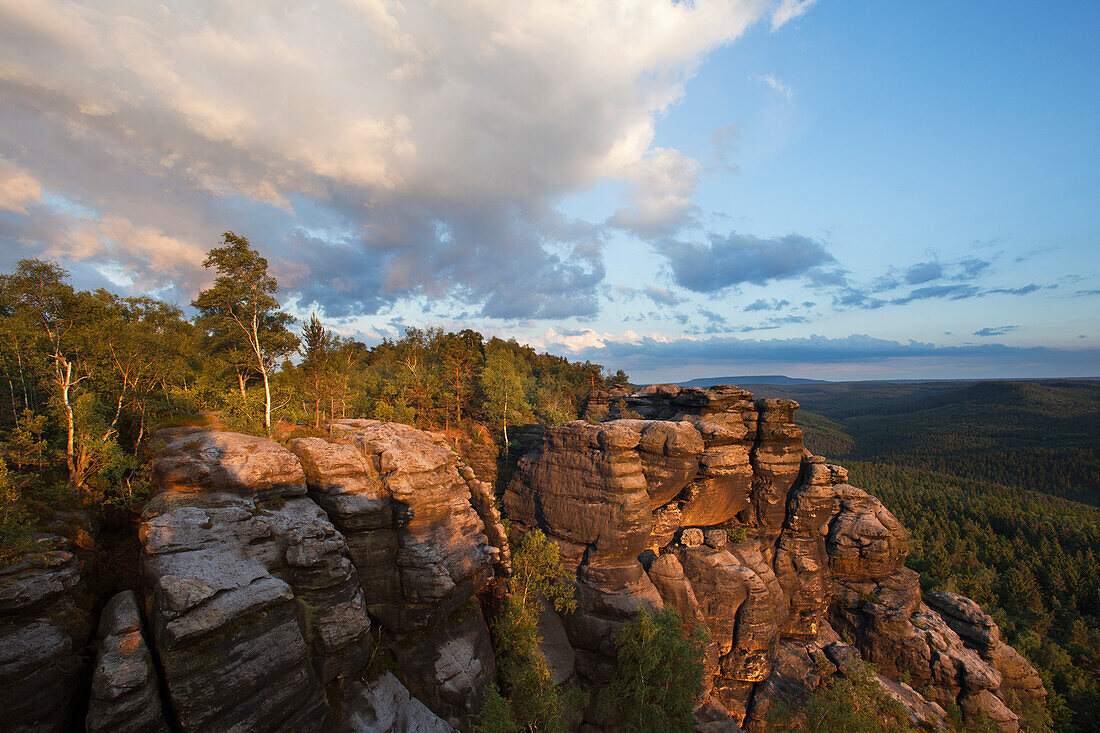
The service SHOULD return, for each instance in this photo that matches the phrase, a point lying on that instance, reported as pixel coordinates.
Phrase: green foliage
(241, 317)
(537, 578)
(853, 703)
(495, 715)
(15, 523)
(659, 673)
(27, 445)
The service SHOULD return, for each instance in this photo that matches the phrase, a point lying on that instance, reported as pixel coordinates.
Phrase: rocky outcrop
(398, 496)
(451, 668)
(706, 501)
(253, 601)
(978, 631)
(270, 575)
(44, 626)
(263, 566)
(125, 696)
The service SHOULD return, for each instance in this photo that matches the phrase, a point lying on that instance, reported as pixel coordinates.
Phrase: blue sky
(821, 189)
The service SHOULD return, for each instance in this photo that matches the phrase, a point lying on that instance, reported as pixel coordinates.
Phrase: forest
(87, 375)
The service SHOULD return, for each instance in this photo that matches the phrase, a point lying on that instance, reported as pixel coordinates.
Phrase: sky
(815, 188)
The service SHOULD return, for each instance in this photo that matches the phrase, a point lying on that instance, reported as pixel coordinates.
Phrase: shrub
(659, 675)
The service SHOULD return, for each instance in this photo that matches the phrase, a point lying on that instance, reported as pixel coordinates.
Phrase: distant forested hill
(1041, 435)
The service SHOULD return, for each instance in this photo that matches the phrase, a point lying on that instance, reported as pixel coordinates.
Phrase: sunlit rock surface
(740, 529)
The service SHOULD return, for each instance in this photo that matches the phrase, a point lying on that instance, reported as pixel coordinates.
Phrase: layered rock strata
(706, 500)
(264, 565)
(125, 696)
(44, 626)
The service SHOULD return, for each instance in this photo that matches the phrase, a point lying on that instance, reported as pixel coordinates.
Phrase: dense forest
(1041, 435)
(87, 376)
(1029, 559)
(977, 473)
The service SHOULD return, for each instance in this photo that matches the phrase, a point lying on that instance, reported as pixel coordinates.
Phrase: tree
(537, 578)
(316, 350)
(502, 385)
(241, 303)
(659, 673)
(39, 292)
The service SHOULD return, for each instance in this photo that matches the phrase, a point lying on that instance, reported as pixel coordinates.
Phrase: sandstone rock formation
(398, 496)
(385, 706)
(705, 500)
(44, 626)
(125, 696)
(263, 567)
(271, 574)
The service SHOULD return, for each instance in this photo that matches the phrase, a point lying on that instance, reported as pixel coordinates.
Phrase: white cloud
(17, 188)
(385, 118)
(789, 10)
(660, 194)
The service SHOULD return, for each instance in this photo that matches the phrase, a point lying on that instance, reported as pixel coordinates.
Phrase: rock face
(125, 697)
(269, 574)
(44, 626)
(705, 500)
(253, 601)
(263, 566)
(399, 497)
(385, 706)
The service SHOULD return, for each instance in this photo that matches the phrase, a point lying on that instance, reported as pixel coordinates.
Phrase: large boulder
(201, 460)
(385, 706)
(451, 667)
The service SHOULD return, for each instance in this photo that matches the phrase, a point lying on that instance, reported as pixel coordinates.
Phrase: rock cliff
(279, 583)
(707, 501)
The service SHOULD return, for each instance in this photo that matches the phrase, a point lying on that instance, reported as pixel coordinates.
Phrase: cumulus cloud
(659, 195)
(435, 138)
(741, 258)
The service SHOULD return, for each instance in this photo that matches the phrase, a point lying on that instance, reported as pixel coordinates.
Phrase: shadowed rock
(44, 625)
(254, 603)
(124, 697)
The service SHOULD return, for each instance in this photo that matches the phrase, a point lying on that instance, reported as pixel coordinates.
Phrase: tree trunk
(240, 383)
(141, 430)
(505, 415)
(66, 381)
(267, 401)
(263, 372)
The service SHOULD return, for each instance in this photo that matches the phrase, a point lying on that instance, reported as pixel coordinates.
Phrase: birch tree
(241, 303)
